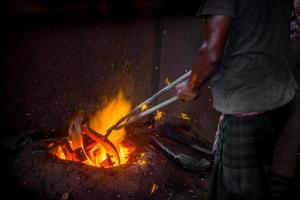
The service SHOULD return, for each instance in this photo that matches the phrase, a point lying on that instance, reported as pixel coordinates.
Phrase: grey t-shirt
(254, 75)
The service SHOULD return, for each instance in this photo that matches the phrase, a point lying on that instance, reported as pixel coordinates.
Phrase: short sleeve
(217, 7)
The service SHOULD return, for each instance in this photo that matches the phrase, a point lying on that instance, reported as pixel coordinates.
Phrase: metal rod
(154, 108)
(108, 145)
(148, 112)
(165, 89)
(138, 109)
(160, 92)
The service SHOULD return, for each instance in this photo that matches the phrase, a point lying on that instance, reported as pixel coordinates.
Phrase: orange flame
(110, 115)
(96, 154)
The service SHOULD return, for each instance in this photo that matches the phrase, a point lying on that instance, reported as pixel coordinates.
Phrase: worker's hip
(249, 139)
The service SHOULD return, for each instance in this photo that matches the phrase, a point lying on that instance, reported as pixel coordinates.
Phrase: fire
(93, 151)
(60, 153)
(110, 115)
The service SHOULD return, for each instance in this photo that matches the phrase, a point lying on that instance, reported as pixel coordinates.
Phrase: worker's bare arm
(209, 55)
(205, 63)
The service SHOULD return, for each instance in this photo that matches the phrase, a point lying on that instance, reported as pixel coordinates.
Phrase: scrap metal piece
(182, 156)
(75, 136)
(80, 154)
(184, 137)
(108, 145)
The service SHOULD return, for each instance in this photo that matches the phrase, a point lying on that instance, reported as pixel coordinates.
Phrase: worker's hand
(186, 92)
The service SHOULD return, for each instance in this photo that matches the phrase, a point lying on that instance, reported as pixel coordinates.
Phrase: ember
(184, 116)
(154, 188)
(83, 146)
(167, 81)
(144, 106)
(159, 115)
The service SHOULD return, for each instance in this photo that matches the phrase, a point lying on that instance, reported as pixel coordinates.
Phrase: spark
(159, 115)
(167, 81)
(144, 107)
(142, 161)
(184, 116)
(154, 188)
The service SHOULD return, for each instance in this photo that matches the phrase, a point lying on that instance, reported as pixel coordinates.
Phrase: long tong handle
(138, 109)
(148, 112)
(154, 108)
(166, 89)
(158, 94)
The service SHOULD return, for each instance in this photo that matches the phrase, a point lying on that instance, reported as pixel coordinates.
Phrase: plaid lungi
(244, 155)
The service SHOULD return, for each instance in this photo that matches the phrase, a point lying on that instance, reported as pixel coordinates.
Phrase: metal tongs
(139, 112)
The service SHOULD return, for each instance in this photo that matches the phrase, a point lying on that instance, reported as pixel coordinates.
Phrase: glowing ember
(144, 107)
(184, 116)
(94, 152)
(60, 153)
(167, 81)
(154, 188)
(51, 144)
(142, 160)
(159, 115)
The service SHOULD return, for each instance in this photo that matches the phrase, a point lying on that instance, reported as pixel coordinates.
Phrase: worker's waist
(251, 114)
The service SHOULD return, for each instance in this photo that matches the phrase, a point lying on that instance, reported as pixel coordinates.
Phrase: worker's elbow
(212, 56)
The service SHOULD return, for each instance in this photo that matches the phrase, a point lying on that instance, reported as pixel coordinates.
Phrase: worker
(245, 56)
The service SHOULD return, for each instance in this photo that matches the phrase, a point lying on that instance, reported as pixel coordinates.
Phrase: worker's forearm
(206, 61)
(205, 65)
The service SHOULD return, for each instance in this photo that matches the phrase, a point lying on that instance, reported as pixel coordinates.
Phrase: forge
(139, 161)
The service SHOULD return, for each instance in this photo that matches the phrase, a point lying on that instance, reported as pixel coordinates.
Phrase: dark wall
(62, 57)
(54, 69)
(103, 7)
(180, 41)
(55, 64)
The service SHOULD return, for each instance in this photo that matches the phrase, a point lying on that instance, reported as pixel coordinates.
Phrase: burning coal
(85, 143)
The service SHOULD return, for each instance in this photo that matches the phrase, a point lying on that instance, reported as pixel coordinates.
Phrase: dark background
(62, 57)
